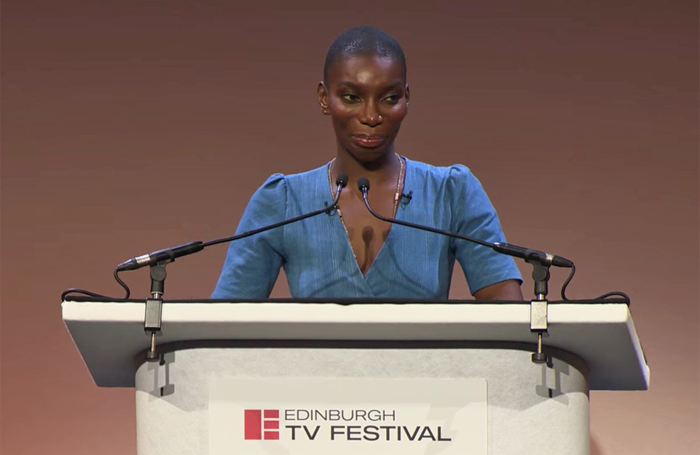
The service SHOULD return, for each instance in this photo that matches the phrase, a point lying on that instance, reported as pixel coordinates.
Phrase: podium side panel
(532, 409)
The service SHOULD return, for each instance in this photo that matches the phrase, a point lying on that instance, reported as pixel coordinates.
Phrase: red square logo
(261, 424)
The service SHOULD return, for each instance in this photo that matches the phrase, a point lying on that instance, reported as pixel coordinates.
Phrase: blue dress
(318, 259)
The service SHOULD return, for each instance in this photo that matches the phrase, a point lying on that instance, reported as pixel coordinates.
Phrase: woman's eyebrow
(358, 87)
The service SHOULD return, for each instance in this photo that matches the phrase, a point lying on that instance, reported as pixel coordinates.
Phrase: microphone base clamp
(538, 325)
(153, 317)
(538, 310)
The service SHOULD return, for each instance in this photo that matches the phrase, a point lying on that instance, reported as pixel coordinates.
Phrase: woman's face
(367, 99)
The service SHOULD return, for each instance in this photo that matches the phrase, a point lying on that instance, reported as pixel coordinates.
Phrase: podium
(290, 377)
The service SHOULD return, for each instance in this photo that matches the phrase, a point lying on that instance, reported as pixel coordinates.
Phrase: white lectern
(360, 378)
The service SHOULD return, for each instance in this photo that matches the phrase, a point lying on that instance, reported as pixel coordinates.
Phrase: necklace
(397, 194)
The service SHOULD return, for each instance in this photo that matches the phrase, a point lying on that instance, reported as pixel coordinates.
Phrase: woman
(351, 254)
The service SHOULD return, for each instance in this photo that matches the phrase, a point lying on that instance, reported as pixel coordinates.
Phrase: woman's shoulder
(299, 179)
(302, 187)
(453, 173)
(307, 177)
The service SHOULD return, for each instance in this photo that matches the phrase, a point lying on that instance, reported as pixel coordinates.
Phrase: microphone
(527, 254)
(167, 254)
(170, 254)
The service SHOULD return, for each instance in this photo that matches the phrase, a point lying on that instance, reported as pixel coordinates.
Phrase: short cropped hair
(363, 41)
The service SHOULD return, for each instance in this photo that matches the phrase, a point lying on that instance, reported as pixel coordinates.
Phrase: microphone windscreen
(342, 180)
(363, 184)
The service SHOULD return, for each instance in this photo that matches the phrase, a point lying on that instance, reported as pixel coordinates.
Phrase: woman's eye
(350, 97)
(392, 99)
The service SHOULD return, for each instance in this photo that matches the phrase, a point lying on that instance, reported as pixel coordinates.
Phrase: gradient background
(132, 126)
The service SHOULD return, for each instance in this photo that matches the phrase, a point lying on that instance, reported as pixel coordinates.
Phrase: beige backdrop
(131, 126)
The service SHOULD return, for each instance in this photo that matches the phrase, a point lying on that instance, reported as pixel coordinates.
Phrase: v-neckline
(397, 216)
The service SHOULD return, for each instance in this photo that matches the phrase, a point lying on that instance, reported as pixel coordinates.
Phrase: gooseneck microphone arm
(170, 254)
(527, 254)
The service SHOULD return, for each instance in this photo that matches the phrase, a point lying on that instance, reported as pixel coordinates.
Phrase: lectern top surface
(109, 335)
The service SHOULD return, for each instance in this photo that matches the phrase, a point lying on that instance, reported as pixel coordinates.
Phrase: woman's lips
(368, 141)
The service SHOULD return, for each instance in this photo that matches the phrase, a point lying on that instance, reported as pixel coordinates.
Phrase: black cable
(566, 283)
(82, 291)
(618, 293)
(122, 284)
(99, 296)
(602, 297)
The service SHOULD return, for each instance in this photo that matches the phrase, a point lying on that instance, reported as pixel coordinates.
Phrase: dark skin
(367, 98)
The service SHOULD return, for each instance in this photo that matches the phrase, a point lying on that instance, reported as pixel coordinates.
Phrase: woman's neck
(383, 170)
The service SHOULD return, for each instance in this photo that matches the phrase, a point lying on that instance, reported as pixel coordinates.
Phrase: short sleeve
(474, 216)
(252, 264)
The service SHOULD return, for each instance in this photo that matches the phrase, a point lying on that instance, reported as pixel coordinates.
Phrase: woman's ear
(322, 95)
